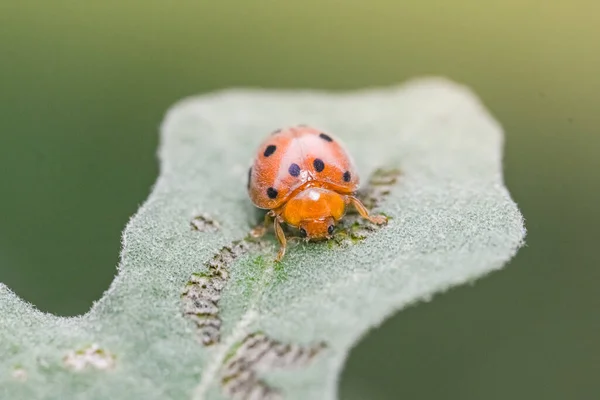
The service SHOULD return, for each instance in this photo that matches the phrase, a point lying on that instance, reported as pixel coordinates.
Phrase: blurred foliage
(83, 88)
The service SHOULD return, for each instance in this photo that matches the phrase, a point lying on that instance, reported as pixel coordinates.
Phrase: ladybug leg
(362, 210)
(259, 230)
(281, 237)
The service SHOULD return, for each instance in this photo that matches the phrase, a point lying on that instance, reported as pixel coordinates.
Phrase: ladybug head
(317, 229)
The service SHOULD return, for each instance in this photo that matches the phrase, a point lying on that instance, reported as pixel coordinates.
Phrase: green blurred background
(84, 86)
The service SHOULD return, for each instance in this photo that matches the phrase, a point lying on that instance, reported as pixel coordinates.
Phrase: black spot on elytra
(270, 150)
(294, 169)
(347, 176)
(272, 192)
(325, 137)
(318, 164)
(249, 177)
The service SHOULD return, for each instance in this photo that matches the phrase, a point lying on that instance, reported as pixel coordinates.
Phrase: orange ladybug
(305, 178)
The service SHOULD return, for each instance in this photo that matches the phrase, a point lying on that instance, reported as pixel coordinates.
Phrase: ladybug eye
(330, 229)
(302, 232)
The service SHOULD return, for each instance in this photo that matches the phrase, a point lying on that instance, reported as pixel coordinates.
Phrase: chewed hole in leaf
(200, 298)
(19, 374)
(90, 357)
(204, 223)
(202, 292)
(257, 354)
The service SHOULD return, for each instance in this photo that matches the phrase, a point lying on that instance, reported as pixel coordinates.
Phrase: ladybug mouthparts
(317, 229)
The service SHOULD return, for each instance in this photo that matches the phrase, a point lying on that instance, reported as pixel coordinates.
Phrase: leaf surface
(199, 309)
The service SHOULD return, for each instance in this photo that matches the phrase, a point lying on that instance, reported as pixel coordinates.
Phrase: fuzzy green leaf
(199, 310)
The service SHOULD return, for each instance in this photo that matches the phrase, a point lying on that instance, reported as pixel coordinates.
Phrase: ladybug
(306, 179)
